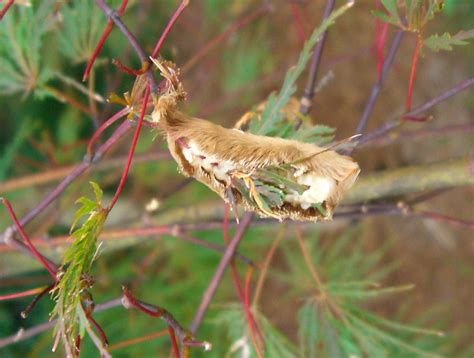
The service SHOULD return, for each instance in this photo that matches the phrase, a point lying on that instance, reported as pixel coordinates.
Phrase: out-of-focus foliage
(42, 136)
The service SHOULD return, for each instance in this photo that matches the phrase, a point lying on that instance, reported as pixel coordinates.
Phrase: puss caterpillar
(274, 177)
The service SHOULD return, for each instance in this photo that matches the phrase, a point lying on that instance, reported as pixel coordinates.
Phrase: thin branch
(414, 63)
(185, 337)
(369, 107)
(24, 334)
(168, 27)
(137, 340)
(45, 177)
(394, 123)
(225, 260)
(26, 293)
(444, 218)
(132, 150)
(34, 251)
(5, 8)
(297, 21)
(307, 99)
(102, 128)
(101, 42)
(53, 195)
(114, 16)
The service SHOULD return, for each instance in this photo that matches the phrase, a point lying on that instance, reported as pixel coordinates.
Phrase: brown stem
(374, 94)
(225, 260)
(307, 99)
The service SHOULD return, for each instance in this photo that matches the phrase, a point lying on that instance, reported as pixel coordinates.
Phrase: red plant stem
(240, 23)
(444, 218)
(101, 42)
(33, 303)
(225, 260)
(381, 37)
(251, 323)
(168, 27)
(112, 15)
(297, 21)
(5, 8)
(99, 329)
(141, 339)
(184, 336)
(309, 91)
(27, 293)
(102, 128)
(32, 248)
(174, 343)
(130, 71)
(414, 62)
(132, 149)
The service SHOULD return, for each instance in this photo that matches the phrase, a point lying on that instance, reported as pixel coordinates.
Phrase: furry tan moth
(275, 177)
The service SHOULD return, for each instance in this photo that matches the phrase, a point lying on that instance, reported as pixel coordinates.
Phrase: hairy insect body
(274, 177)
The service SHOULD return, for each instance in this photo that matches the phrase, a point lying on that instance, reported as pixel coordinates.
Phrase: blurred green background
(47, 120)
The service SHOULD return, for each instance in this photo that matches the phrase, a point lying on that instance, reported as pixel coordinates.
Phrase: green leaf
(77, 263)
(22, 33)
(446, 41)
(82, 27)
(272, 115)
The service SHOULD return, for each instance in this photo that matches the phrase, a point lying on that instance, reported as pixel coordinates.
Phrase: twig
(174, 343)
(33, 303)
(26, 293)
(225, 260)
(185, 337)
(131, 151)
(250, 319)
(174, 231)
(463, 129)
(369, 107)
(168, 27)
(24, 334)
(414, 62)
(141, 339)
(113, 15)
(297, 21)
(34, 251)
(101, 42)
(53, 195)
(253, 328)
(307, 99)
(55, 174)
(394, 123)
(5, 8)
(444, 218)
(102, 128)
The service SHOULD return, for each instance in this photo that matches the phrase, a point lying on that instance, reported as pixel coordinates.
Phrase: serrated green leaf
(446, 41)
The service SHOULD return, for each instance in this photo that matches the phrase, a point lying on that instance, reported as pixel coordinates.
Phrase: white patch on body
(320, 188)
(211, 163)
